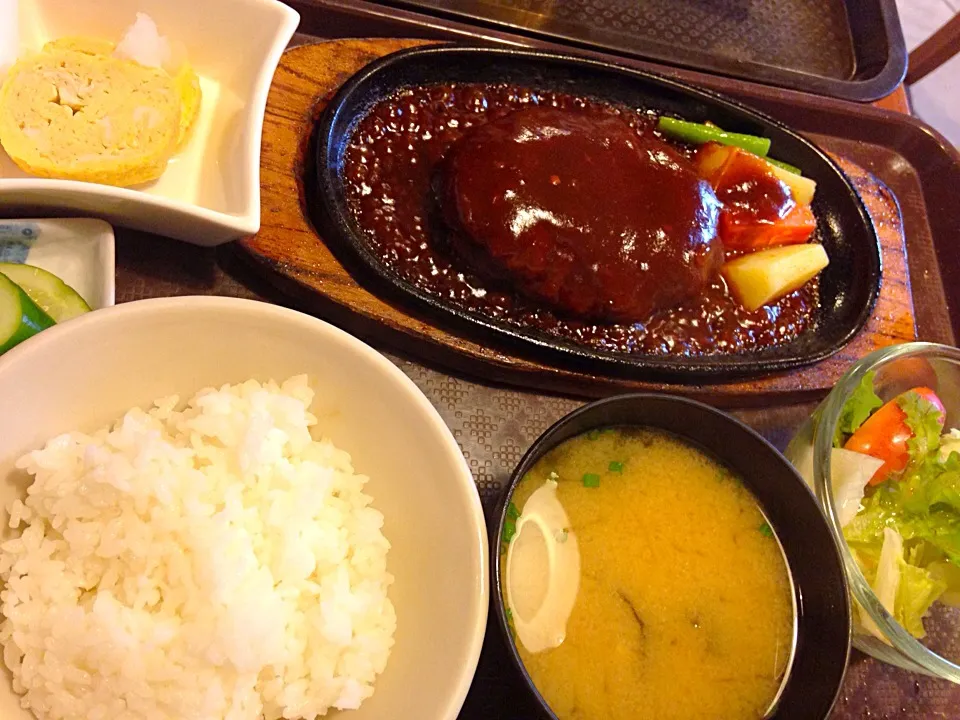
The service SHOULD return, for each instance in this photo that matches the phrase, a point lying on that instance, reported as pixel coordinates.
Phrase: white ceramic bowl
(85, 373)
(210, 192)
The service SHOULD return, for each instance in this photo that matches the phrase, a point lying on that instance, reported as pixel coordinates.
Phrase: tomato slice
(885, 434)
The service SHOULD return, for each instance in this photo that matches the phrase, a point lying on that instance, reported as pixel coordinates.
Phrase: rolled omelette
(74, 112)
(185, 78)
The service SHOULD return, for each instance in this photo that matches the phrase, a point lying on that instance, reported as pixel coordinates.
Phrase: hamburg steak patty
(580, 211)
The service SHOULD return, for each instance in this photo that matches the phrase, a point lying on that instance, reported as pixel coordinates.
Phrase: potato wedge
(802, 188)
(762, 277)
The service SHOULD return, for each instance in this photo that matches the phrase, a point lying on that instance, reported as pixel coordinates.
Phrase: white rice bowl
(214, 561)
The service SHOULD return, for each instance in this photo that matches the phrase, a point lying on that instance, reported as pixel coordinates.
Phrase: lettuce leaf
(923, 505)
(904, 589)
(941, 529)
(858, 407)
(949, 443)
(925, 421)
(879, 510)
(886, 582)
(932, 485)
(918, 590)
(944, 487)
(906, 537)
(928, 553)
(850, 472)
(949, 575)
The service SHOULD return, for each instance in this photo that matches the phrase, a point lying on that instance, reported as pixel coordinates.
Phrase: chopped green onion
(509, 613)
(591, 480)
(593, 434)
(616, 466)
(699, 134)
(512, 511)
(766, 530)
(785, 166)
(509, 530)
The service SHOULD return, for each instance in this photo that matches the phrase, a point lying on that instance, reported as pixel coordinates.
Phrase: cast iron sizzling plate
(848, 287)
(819, 581)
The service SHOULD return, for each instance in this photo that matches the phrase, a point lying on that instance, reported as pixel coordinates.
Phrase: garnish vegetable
(697, 134)
(60, 301)
(906, 532)
(761, 277)
(764, 205)
(913, 417)
(591, 480)
(766, 214)
(31, 300)
(20, 318)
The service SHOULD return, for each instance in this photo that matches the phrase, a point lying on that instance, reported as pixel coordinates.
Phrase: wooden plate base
(289, 252)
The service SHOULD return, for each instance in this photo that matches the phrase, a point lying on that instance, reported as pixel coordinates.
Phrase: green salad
(896, 478)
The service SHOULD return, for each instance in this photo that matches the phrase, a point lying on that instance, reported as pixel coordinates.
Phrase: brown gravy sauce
(389, 166)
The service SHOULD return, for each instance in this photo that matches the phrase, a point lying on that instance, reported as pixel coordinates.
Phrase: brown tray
(494, 426)
(291, 255)
(852, 49)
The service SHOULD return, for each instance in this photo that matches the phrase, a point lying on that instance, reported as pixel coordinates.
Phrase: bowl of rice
(219, 508)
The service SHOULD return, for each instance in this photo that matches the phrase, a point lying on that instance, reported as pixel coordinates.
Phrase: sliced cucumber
(20, 318)
(50, 293)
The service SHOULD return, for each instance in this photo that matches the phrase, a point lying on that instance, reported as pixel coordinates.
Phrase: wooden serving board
(289, 252)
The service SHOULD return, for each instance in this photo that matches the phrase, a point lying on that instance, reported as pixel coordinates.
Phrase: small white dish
(79, 251)
(210, 192)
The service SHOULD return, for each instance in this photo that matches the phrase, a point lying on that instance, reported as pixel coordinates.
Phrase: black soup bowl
(849, 286)
(822, 609)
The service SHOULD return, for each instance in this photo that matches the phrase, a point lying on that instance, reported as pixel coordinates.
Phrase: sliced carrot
(743, 231)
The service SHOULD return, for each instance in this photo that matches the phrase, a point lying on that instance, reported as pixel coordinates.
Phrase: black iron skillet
(848, 287)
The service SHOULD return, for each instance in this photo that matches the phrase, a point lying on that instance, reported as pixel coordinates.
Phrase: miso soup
(642, 581)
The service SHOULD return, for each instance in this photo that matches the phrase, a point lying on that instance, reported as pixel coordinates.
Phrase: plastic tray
(852, 49)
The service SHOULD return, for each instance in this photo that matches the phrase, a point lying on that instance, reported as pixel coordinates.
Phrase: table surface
(494, 426)
(493, 441)
(897, 101)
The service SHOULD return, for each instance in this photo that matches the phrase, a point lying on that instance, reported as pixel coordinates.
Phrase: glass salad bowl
(883, 457)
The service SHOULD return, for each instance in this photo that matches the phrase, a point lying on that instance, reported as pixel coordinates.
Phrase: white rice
(214, 562)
